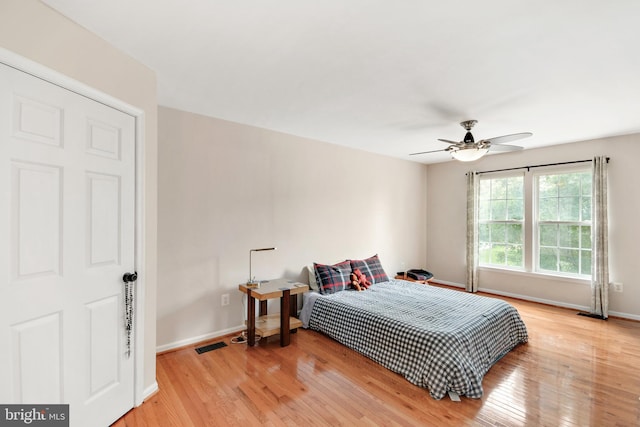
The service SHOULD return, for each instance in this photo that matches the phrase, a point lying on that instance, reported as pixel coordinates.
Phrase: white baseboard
(149, 391)
(534, 299)
(199, 338)
(454, 284)
(624, 315)
(543, 301)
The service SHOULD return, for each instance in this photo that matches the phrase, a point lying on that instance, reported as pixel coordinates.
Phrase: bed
(439, 339)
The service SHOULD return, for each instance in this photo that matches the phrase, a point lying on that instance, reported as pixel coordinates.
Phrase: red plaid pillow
(333, 278)
(371, 268)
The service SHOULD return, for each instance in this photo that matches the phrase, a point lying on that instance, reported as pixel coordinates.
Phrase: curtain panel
(472, 232)
(600, 240)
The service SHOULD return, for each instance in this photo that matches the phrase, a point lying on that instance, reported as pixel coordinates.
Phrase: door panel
(103, 217)
(104, 366)
(37, 351)
(36, 121)
(36, 220)
(67, 225)
(103, 140)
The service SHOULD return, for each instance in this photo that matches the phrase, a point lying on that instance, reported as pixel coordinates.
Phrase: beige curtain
(472, 232)
(599, 240)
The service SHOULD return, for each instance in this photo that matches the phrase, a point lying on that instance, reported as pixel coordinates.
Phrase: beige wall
(446, 219)
(226, 188)
(33, 30)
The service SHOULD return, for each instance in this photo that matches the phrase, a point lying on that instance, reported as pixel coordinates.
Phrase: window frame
(535, 241)
(531, 246)
(506, 222)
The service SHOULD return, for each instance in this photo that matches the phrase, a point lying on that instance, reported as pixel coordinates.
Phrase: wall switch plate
(617, 287)
(224, 299)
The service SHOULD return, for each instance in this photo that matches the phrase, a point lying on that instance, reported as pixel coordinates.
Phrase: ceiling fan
(469, 150)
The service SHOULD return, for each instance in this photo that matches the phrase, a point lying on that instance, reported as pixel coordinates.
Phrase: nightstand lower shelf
(269, 325)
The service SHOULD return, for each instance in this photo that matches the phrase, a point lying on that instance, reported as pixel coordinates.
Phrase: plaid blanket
(436, 338)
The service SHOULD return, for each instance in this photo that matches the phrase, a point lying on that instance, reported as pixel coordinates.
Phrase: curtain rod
(537, 166)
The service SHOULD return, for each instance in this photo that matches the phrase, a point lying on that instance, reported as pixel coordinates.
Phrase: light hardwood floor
(574, 371)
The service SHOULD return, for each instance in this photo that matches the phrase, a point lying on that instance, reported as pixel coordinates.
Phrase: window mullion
(529, 235)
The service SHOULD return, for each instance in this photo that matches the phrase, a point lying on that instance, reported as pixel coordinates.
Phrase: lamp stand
(252, 283)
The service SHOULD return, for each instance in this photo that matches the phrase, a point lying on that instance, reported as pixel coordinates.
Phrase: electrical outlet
(224, 299)
(617, 287)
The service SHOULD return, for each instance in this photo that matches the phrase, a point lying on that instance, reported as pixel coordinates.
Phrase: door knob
(130, 277)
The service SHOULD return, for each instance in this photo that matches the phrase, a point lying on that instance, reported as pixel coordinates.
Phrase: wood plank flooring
(575, 371)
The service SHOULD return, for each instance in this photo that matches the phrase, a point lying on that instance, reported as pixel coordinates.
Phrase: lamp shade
(262, 249)
(469, 154)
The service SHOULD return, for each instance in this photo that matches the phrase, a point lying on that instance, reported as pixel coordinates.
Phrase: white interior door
(67, 194)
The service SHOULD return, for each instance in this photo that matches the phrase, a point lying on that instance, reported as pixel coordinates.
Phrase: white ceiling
(388, 76)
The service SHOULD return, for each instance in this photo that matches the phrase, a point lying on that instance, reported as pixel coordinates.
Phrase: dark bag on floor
(417, 274)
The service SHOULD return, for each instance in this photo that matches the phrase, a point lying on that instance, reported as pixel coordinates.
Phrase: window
(563, 223)
(501, 222)
(536, 222)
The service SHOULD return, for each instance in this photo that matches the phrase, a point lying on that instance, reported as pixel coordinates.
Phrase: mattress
(440, 339)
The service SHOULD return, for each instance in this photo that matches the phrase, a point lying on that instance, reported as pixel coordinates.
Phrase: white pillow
(313, 284)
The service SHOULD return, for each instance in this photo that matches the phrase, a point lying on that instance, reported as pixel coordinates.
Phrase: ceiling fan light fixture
(469, 150)
(468, 154)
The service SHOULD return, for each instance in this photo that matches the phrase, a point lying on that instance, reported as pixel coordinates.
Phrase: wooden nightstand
(282, 323)
(409, 279)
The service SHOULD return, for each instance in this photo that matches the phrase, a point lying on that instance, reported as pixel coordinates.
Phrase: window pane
(514, 256)
(515, 210)
(569, 185)
(585, 180)
(484, 253)
(586, 208)
(498, 233)
(499, 188)
(585, 242)
(569, 236)
(585, 262)
(483, 233)
(514, 233)
(549, 259)
(497, 254)
(515, 188)
(548, 209)
(569, 209)
(498, 210)
(483, 210)
(569, 260)
(548, 235)
(485, 189)
(547, 186)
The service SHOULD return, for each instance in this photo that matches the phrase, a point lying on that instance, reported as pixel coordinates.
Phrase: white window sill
(537, 275)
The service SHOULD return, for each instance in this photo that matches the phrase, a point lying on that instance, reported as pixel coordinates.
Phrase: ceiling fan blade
(448, 141)
(508, 138)
(427, 152)
(500, 147)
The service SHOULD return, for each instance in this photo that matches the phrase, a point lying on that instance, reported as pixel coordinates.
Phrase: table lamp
(252, 283)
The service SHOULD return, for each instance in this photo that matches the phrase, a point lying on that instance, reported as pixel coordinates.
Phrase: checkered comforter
(436, 338)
